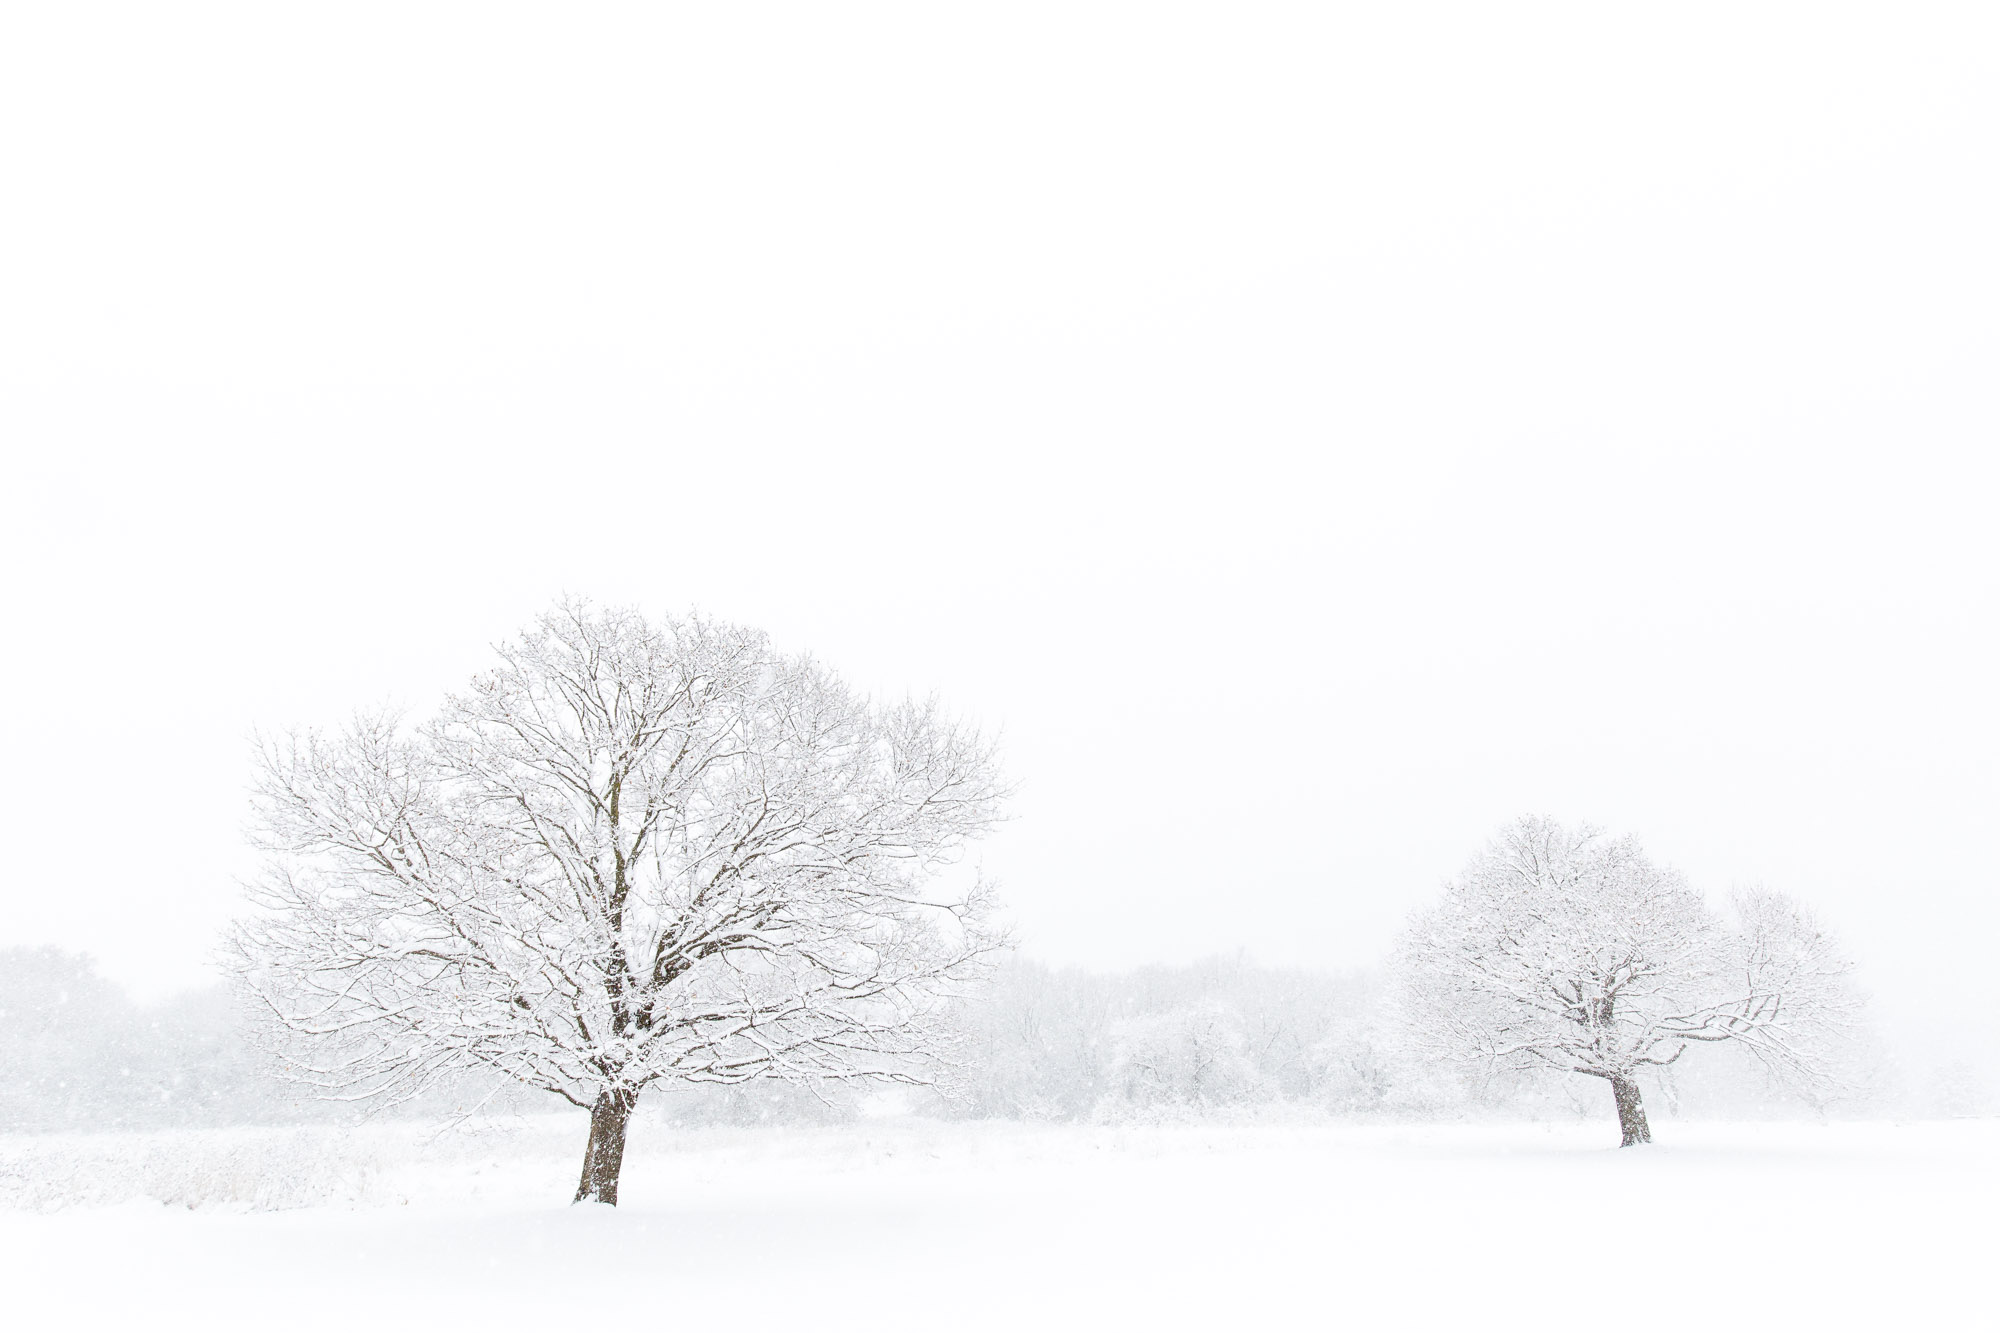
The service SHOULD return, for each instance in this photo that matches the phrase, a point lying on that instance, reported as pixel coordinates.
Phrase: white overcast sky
(1315, 435)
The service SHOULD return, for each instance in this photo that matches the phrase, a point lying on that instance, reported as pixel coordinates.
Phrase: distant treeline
(1220, 1037)
(77, 1053)
(1231, 1036)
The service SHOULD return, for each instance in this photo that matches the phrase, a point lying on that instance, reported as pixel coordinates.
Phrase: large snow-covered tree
(630, 851)
(1564, 949)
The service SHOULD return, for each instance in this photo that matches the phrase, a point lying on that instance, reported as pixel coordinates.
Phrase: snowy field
(918, 1224)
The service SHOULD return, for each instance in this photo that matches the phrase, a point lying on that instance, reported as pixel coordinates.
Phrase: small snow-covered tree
(630, 852)
(1193, 1056)
(1564, 949)
(1037, 1044)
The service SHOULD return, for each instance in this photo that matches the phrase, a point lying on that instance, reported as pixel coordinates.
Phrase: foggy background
(1313, 440)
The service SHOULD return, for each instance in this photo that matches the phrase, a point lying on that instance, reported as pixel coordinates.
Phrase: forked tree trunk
(1631, 1112)
(604, 1156)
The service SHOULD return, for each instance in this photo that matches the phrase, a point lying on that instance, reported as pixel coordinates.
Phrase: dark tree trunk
(1631, 1112)
(604, 1157)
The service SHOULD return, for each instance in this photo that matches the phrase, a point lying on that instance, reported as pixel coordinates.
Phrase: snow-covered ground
(919, 1224)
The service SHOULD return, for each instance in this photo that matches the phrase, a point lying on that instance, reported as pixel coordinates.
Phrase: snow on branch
(1565, 949)
(630, 851)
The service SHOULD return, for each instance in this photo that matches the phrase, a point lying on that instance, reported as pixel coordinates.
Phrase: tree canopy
(1568, 950)
(629, 851)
